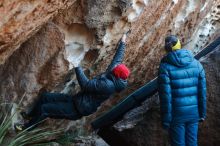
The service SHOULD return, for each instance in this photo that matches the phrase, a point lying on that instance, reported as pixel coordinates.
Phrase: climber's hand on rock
(75, 64)
(123, 39)
(128, 32)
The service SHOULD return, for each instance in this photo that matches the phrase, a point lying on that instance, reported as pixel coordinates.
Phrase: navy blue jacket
(182, 88)
(95, 91)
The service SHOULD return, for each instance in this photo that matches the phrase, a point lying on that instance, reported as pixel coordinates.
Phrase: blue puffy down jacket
(182, 88)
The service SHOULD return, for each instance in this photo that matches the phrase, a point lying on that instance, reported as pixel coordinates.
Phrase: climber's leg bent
(59, 110)
(48, 98)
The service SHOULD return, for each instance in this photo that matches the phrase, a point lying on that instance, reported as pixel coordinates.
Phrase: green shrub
(36, 137)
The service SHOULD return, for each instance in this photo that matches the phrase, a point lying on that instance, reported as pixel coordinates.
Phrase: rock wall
(210, 128)
(21, 18)
(37, 64)
(40, 41)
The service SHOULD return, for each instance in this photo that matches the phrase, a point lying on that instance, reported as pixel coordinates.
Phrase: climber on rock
(182, 92)
(93, 93)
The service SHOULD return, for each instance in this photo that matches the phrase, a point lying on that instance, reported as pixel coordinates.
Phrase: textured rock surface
(38, 63)
(40, 41)
(19, 19)
(211, 127)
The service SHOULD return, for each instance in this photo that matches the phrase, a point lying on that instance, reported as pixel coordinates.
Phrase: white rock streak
(137, 8)
(190, 7)
(77, 37)
(205, 30)
(175, 1)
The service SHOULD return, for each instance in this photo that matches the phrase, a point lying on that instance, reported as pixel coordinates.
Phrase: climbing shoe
(19, 127)
(25, 116)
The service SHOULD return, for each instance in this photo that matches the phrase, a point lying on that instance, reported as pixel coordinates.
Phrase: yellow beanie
(177, 46)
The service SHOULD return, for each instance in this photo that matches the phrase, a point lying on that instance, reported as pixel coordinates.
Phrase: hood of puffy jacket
(179, 58)
(120, 84)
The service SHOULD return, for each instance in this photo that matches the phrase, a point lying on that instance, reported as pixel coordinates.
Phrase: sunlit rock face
(19, 19)
(38, 63)
(41, 41)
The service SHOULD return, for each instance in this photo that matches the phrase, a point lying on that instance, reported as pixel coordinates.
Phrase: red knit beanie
(121, 71)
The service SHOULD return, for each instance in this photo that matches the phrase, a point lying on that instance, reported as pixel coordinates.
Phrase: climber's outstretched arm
(119, 55)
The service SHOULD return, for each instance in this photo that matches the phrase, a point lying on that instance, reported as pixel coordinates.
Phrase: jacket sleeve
(81, 77)
(165, 96)
(93, 85)
(119, 55)
(202, 93)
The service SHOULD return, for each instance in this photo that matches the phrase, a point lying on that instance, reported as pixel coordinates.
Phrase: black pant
(53, 105)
